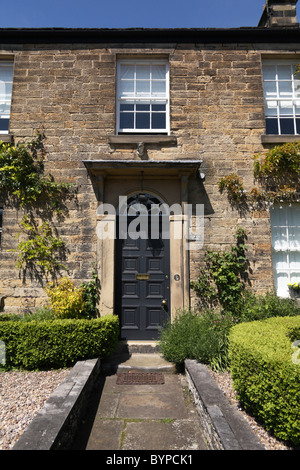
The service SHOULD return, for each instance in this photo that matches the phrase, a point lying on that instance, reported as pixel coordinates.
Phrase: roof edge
(151, 35)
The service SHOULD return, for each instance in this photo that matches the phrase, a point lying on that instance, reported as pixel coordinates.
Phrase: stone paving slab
(180, 434)
(110, 432)
(146, 417)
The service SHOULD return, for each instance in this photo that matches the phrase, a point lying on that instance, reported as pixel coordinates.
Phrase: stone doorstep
(137, 355)
(55, 424)
(146, 347)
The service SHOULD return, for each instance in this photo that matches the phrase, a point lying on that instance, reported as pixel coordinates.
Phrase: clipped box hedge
(57, 343)
(265, 376)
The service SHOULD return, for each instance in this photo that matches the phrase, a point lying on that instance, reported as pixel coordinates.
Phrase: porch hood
(149, 167)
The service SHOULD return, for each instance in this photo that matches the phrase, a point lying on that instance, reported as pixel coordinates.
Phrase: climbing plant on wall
(25, 186)
(277, 173)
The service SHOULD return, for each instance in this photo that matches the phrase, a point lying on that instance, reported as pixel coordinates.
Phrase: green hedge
(264, 375)
(57, 343)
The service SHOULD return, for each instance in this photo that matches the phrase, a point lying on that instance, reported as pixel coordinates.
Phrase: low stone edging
(54, 426)
(223, 426)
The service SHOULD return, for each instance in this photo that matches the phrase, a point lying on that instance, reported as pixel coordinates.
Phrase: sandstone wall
(217, 115)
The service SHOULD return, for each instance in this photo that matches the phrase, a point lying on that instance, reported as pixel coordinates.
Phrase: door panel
(142, 286)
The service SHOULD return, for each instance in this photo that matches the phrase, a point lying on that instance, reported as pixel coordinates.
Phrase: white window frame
(276, 101)
(287, 244)
(140, 99)
(6, 98)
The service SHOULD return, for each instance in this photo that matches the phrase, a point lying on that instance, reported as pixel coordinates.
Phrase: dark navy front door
(143, 283)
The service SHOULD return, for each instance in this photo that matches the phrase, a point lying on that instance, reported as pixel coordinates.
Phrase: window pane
(126, 71)
(127, 107)
(287, 126)
(294, 260)
(158, 88)
(4, 108)
(280, 261)
(143, 88)
(271, 108)
(284, 72)
(286, 108)
(294, 238)
(271, 126)
(278, 216)
(270, 89)
(269, 72)
(285, 89)
(293, 215)
(158, 107)
(4, 123)
(158, 121)
(5, 90)
(294, 277)
(143, 107)
(127, 88)
(143, 120)
(279, 239)
(281, 281)
(126, 120)
(143, 72)
(158, 72)
(297, 88)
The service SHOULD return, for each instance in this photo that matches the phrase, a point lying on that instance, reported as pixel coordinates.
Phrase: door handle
(164, 302)
(164, 305)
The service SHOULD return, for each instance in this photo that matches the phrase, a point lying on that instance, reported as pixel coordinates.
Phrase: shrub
(40, 314)
(197, 336)
(261, 307)
(294, 333)
(57, 343)
(265, 377)
(66, 300)
(4, 317)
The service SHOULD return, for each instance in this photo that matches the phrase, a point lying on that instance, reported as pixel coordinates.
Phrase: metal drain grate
(140, 378)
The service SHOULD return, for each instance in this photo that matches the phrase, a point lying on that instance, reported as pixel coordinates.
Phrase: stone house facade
(157, 116)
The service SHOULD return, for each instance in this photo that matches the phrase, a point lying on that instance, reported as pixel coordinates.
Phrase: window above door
(142, 97)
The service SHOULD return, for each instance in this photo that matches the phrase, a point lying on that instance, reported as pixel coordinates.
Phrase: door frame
(168, 180)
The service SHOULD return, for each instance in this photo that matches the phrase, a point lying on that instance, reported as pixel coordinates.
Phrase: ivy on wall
(24, 185)
(277, 173)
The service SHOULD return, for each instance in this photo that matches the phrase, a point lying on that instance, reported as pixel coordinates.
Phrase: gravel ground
(225, 384)
(22, 395)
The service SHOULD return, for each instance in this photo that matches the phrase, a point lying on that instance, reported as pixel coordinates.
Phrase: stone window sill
(145, 138)
(279, 139)
(6, 137)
